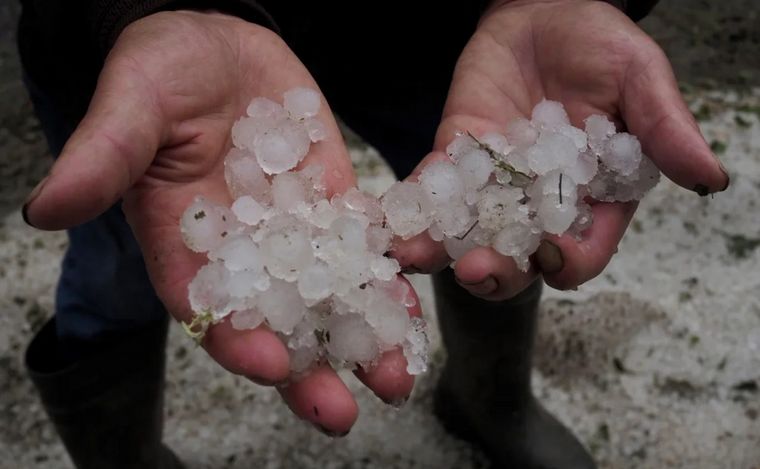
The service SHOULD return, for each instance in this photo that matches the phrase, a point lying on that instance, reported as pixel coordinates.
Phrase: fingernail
(397, 403)
(725, 173)
(30, 198)
(25, 215)
(36, 191)
(410, 269)
(330, 433)
(549, 257)
(265, 382)
(702, 190)
(484, 287)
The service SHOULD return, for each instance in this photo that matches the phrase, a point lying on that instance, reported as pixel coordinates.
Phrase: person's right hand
(592, 58)
(156, 134)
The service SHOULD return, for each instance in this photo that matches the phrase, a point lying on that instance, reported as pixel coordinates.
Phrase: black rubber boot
(108, 406)
(484, 395)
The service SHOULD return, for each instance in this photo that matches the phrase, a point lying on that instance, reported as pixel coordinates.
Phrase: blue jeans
(104, 287)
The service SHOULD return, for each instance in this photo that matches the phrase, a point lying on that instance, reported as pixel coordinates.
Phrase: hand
(156, 133)
(592, 58)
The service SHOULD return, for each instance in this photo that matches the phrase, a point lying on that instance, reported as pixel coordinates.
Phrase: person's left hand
(593, 59)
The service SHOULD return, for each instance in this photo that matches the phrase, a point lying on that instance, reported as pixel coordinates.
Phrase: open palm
(156, 134)
(589, 56)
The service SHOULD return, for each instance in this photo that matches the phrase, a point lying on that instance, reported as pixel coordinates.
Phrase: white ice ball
(205, 225)
(351, 339)
(408, 209)
(301, 102)
(549, 114)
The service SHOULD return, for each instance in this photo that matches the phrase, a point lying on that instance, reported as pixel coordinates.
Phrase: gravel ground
(656, 363)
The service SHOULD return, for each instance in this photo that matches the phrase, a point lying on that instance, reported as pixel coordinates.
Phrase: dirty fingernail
(484, 287)
(410, 269)
(702, 190)
(25, 214)
(330, 433)
(397, 403)
(725, 173)
(549, 257)
(30, 198)
(264, 381)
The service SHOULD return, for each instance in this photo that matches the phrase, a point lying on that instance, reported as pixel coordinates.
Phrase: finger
(388, 379)
(258, 354)
(654, 111)
(109, 150)
(322, 399)
(420, 254)
(567, 263)
(489, 275)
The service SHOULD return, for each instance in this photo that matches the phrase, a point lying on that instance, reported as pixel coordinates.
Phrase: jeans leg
(104, 286)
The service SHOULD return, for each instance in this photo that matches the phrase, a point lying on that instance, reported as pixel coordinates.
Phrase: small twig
(460, 238)
(520, 178)
(560, 188)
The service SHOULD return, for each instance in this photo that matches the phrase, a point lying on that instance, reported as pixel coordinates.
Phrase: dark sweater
(63, 43)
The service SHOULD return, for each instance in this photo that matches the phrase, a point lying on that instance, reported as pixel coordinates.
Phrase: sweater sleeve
(107, 18)
(635, 9)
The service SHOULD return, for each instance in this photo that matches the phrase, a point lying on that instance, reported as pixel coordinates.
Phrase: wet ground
(654, 364)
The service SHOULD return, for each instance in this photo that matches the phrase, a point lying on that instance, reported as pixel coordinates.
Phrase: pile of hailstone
(314, 270)
(508, 191)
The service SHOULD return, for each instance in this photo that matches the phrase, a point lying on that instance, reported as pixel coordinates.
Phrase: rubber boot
(108, 406)
(484, 395)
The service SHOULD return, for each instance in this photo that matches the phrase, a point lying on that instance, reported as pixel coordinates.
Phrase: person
(137, 98)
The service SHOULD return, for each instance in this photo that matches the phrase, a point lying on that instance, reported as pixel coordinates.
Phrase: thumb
(655, 112)
(110, 149)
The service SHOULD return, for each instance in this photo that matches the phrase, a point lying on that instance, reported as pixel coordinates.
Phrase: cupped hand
(156, 134)
(592, 58)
